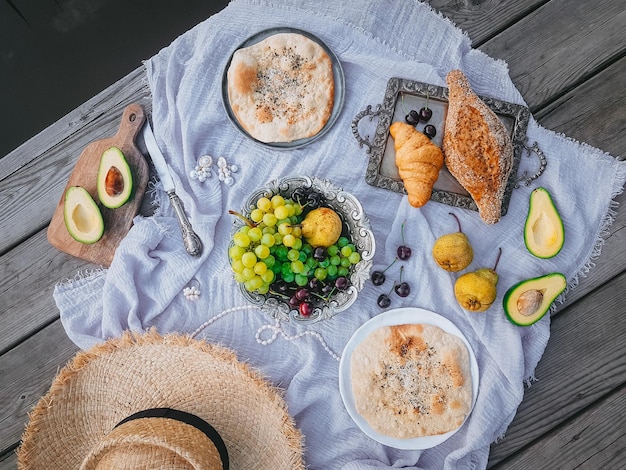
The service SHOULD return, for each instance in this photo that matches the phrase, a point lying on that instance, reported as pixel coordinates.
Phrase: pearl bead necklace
(275, 328)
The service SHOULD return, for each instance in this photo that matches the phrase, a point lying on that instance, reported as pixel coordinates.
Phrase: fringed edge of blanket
(158, 197)
(81, 276)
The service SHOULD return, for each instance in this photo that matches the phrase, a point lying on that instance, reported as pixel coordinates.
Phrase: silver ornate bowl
(356, 227)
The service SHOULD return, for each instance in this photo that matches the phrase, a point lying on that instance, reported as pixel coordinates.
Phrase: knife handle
(192, 242)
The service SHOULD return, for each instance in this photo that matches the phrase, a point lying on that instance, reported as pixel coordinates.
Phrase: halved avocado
(115, 180)
(82, 216)
(543, 231)
(528, 301)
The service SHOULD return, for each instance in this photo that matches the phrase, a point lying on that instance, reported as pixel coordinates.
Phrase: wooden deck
(568, 59)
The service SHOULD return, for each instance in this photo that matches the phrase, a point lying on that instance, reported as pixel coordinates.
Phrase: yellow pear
(321, 227)
(476, 291)
(453, 251)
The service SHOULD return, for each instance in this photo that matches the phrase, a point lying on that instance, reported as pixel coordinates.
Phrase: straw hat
(152, 401)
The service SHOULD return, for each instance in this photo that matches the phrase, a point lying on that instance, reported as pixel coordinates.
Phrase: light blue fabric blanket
(374, 41)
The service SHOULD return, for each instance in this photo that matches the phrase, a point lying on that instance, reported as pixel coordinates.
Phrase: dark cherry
(302, 294)
(328, 288)
(299, 195)
(378, 277)
(425, 114)
(319, 254)
(384, 301)
(314, 284)
(341, 283)
(430, 131)
(404, 252)
(310, 198)
(403, 289)
(281, 287)
(294, 301)
(314, 200)
(306, 309)
(412, 118)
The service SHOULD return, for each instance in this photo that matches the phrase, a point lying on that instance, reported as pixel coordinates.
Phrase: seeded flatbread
(412, 381)
(282, 88)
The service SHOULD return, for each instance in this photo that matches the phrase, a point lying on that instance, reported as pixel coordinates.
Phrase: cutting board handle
(131, 123)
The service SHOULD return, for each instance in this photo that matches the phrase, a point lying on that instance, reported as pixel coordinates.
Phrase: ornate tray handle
(525, 178)
(364, 141)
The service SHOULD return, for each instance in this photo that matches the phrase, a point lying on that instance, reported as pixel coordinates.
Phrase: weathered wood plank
(32, 178)
(559, 45)
(8, 461)
(27, 372)
(593, 112)
(28, 274)
(611, 261)
(591, 441)
(583, 362)
(482, 19)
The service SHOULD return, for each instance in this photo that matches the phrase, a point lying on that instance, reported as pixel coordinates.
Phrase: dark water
(63, 52)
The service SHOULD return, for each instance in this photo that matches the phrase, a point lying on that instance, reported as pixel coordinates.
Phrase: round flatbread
(282, 88)
(412, 381)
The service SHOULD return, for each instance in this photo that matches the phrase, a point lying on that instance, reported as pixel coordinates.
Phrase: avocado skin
(541, 201)
(553, 283)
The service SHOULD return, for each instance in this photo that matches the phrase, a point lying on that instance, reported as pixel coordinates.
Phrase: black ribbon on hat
(186, 418)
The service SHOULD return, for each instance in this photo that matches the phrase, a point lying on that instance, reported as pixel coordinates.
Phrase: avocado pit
(529, 302)
(115, 180)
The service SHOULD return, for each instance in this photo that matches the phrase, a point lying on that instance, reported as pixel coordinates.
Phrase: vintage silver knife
(192, 242)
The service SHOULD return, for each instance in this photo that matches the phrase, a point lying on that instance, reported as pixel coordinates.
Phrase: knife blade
(193, 244)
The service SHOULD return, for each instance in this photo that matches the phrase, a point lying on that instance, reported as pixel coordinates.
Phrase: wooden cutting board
(117, 222)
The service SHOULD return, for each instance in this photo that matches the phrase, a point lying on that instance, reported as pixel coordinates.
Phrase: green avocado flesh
(82, 216)
(528, 301)
(543, 230)
(115, 180)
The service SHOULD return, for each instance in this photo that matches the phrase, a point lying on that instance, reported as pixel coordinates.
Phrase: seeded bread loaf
(477, 147)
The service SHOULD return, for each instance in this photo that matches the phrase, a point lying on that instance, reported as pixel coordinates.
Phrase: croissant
(477, 147)
(418, 161)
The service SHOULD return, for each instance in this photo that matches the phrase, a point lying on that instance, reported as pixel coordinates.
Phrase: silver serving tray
(403, 95)
(338, 77)
(359, 229)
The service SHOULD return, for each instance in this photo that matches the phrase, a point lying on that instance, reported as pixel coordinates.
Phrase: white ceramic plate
(399, 316)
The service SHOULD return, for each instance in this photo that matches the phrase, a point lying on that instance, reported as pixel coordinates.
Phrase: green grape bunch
(269, 255)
